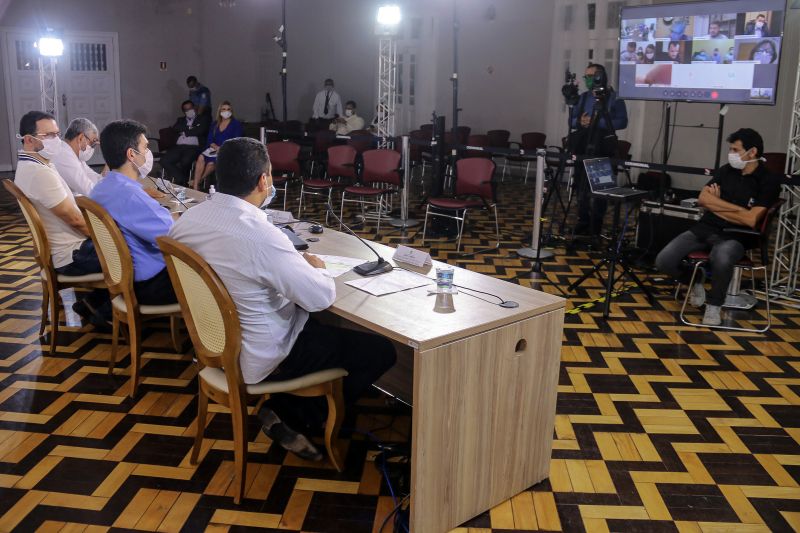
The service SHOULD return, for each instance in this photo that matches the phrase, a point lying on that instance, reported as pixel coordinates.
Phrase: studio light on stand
(50, 47)
(387, 25)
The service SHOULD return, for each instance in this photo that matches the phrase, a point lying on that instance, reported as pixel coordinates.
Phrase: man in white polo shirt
(77, 148)
(73, 254)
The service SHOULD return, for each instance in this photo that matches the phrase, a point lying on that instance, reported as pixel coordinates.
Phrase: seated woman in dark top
(225, 127)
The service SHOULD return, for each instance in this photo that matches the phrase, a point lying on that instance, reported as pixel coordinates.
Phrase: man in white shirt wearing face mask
(274, 289)
(350, 122)
(739, 195)
(140, 218)
(72, 253)
(327, 104)
(77, 148)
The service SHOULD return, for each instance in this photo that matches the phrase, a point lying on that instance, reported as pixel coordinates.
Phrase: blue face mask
(269, 198)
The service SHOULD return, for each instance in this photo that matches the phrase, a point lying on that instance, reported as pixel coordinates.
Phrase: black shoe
(286, 437)
(100, 324)
(83, 309)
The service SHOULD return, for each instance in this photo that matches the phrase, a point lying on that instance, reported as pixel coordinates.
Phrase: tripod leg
(631, 274)
(612, 267)
(595, 270)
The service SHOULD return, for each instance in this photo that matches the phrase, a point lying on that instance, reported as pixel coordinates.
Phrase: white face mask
(226, 114)
(144, 169)
(190, 114)
(50, 147)
(348, 112)
(269, 198)
(649, 56)
(759, 25)
(736, 161)
(86, 154)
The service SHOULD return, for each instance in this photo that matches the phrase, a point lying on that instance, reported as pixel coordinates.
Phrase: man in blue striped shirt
(140, 218)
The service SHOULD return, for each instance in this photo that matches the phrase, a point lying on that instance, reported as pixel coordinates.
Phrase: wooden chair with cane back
(52, 282)
(115, 259)
(213, 323)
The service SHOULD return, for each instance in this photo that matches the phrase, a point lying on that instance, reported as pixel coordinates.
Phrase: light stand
(535, 251)
(50, 49)
(387, 25)
(404, 222)
(454, 77)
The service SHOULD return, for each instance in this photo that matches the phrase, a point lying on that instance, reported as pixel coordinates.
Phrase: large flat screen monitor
(725, 52)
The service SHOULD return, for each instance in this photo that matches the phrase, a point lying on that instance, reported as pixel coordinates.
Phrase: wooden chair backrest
(112, 250)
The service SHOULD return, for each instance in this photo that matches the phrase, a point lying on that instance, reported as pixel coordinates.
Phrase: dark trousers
(591, 209)
(365, 356)
(177, 162)
(725, 253)
(84, 261)
(156, 290)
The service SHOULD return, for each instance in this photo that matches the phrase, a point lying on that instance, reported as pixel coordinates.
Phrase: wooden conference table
(482, 380)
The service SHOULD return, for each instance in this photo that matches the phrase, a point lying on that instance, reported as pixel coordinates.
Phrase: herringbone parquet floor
(660, 427)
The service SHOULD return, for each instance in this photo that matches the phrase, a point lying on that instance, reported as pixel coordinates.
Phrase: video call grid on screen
(725, 52)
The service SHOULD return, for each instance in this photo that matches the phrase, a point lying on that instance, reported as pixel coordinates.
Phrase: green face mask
(589, 81)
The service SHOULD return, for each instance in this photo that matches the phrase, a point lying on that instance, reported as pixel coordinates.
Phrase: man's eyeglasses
(51, 135)
(93, 142)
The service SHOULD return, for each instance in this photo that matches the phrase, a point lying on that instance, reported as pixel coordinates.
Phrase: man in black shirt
(739, 195)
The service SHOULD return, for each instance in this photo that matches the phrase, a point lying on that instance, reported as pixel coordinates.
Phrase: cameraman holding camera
(601, 99)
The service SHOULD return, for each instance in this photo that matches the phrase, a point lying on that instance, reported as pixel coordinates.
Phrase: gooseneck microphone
(370, 268)
(166, 191)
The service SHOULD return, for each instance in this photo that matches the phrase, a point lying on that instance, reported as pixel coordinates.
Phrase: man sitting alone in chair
(739, 195)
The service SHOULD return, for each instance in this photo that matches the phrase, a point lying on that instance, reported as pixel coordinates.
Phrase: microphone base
(373, 268)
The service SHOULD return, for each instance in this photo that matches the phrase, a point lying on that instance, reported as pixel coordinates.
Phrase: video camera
(570, 88)
(600, 82)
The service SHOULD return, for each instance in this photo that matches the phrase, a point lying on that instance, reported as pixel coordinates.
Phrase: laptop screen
(600, 174)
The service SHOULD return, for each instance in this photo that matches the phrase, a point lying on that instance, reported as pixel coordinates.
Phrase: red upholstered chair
(285, 165)
(341, 166)
(531, 140)
(498, 138)
(480, 141)
(381, 167)
(323, 140)
(474, 189)
(775, 162)
(760, 242)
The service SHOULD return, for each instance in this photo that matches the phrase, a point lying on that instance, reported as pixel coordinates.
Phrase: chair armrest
(742, 231)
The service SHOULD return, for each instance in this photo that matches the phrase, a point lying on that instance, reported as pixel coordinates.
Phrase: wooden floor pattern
(660, 427)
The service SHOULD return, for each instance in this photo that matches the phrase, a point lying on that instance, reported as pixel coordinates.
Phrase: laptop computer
(602, 180)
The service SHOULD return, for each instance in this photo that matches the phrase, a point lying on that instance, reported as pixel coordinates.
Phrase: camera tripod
(614, 256)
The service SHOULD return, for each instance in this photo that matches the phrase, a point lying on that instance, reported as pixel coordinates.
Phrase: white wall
(149, 32)
(503, 64)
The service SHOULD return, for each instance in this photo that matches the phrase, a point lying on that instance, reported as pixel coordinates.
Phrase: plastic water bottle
(211, 191)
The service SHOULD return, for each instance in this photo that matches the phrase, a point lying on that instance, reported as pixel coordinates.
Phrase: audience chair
(480, 141)
(341, 165)
(415, 151)
(213, 323)
(462, 134)
(499, 138)
(323, 139)
(775, 162)
(532, 140)
(474, 188)
(760, 241)
(285, 165)
(381, 167)
(167, 138)
(115, 259)
(427, 129)
(52, 282)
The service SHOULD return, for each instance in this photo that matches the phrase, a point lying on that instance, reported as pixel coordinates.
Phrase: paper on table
(280, 217)
(337, 265)
(394, 281)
